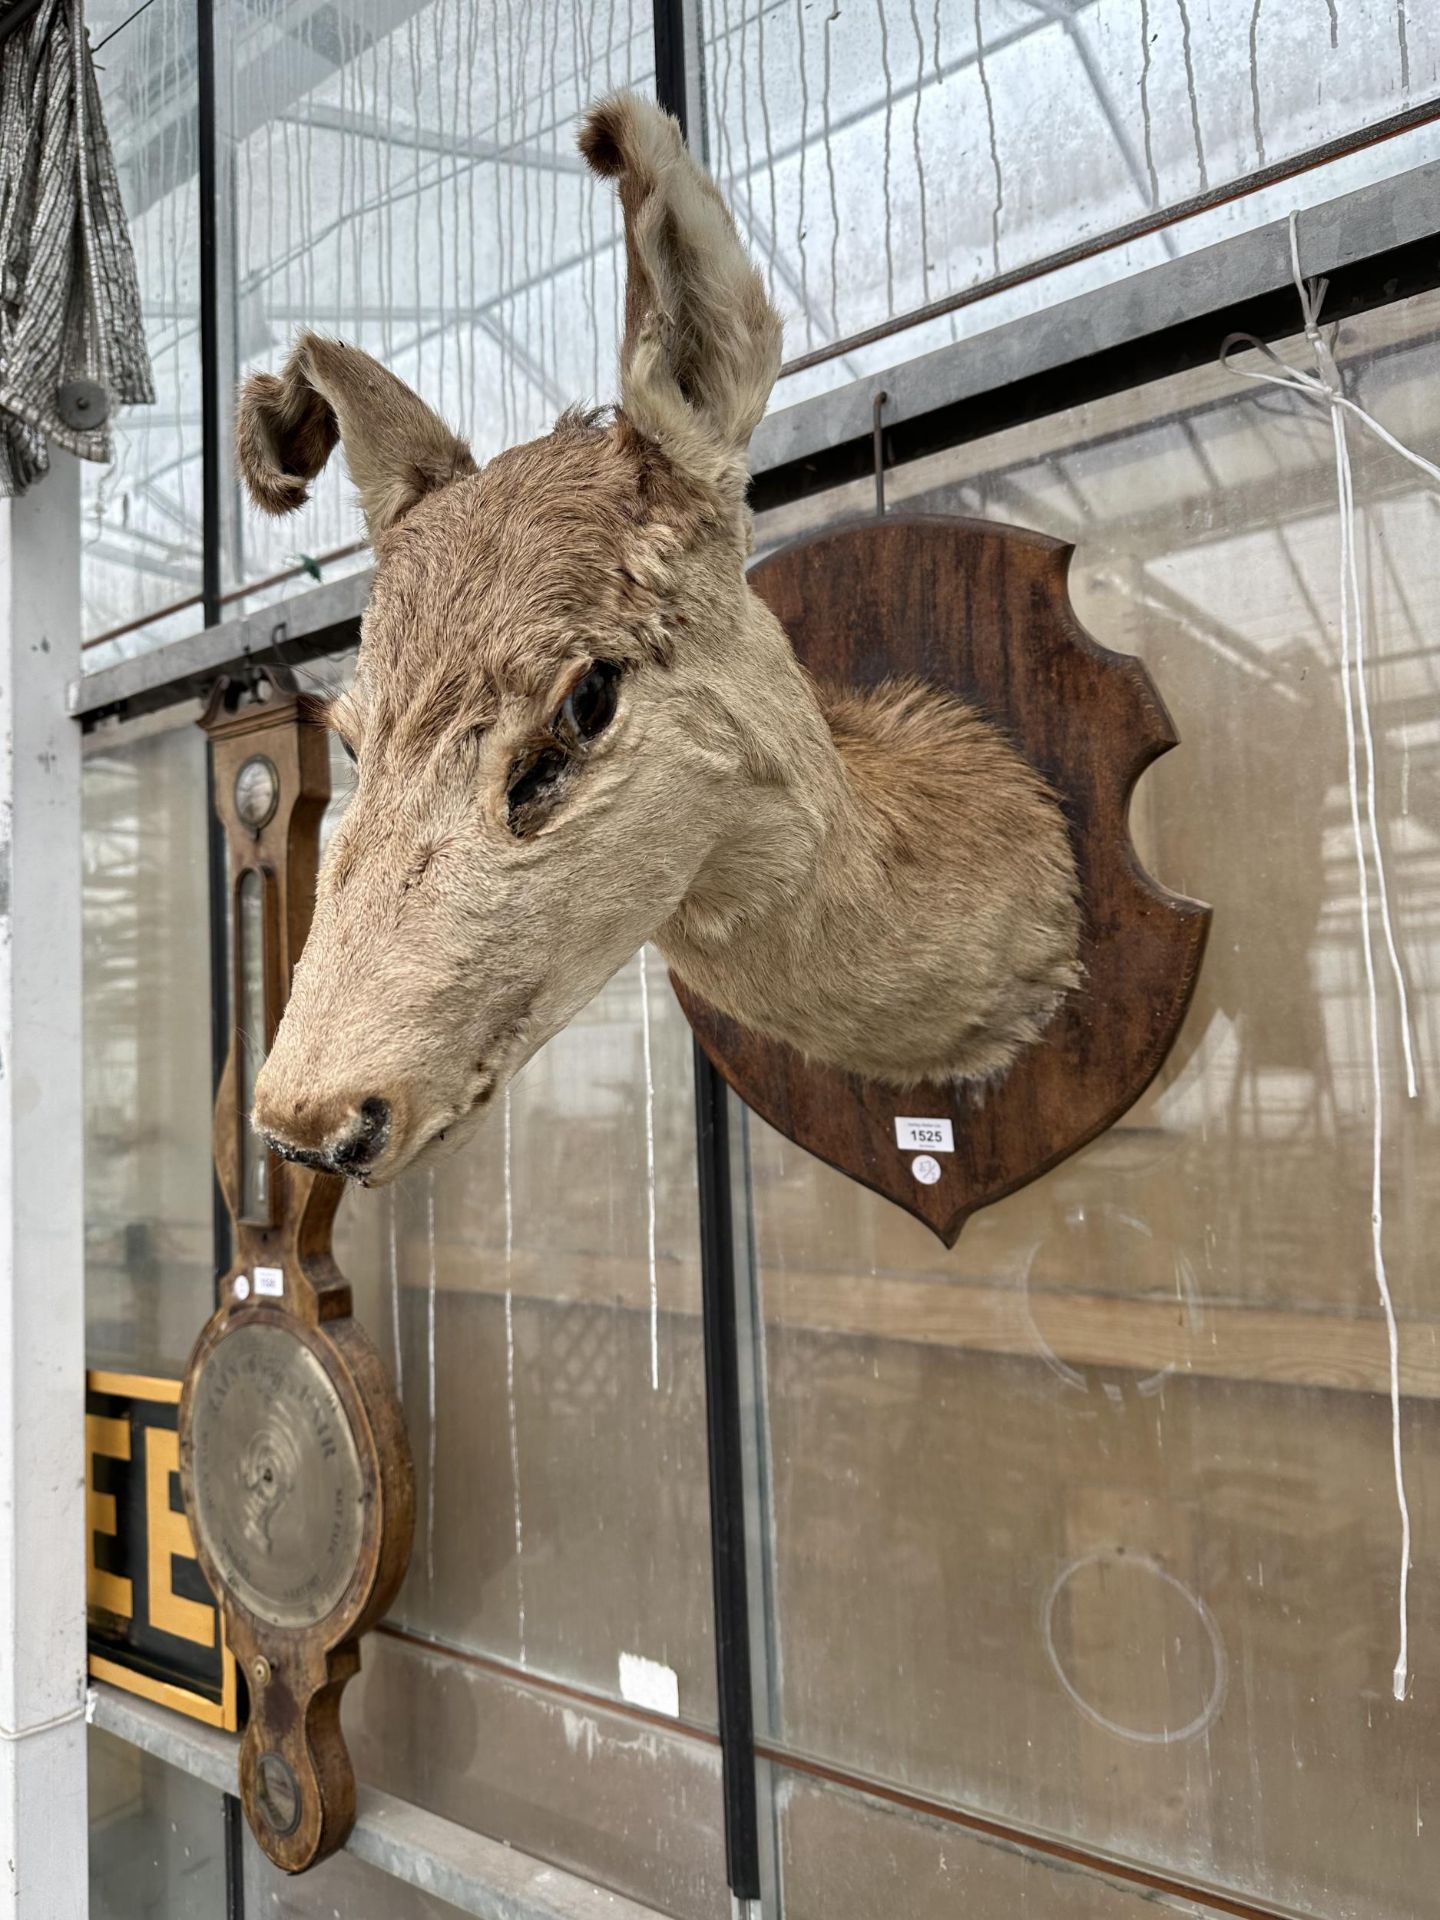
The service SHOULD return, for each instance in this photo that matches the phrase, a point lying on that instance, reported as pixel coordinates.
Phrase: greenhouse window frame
(1375, 245)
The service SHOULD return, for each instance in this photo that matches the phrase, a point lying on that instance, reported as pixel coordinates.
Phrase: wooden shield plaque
(294, 1464)
(984, 611)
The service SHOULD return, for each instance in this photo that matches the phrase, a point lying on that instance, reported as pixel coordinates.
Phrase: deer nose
(352, 1151)
(363, 1145)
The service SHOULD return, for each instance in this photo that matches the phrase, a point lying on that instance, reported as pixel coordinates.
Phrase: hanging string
(1324, 387)
(122, 26)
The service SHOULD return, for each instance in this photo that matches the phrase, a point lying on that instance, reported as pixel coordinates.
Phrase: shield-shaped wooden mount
(984, 610)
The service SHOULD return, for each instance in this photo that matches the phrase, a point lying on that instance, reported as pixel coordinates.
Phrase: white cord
(1324, 387)
(44, 1726)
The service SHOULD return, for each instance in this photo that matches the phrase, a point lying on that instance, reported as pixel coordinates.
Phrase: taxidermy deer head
(576, 729)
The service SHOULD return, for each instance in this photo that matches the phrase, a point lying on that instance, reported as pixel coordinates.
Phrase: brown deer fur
(878, 879)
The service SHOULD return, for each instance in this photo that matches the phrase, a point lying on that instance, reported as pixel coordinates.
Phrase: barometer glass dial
(279, 1489)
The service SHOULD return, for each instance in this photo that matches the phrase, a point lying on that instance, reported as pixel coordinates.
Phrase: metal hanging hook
(877, 433)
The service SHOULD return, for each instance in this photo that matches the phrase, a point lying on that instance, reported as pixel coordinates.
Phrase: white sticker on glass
(925, 1136)
(270, 1283)
(647, 1683)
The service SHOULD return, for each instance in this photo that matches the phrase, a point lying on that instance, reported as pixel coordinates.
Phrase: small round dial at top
(257, 791)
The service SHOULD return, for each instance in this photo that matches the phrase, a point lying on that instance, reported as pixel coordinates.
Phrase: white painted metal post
(42, 1309)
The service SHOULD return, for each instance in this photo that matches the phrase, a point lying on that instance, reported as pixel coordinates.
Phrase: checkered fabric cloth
(69, 301)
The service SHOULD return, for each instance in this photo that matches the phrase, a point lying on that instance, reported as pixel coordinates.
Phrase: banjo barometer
(293, 1459)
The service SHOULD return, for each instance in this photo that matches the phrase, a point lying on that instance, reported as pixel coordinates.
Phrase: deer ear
(287, 424)
(702, 342)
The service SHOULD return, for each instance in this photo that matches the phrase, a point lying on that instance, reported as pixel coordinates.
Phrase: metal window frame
(1375, 245)
(43, 1793)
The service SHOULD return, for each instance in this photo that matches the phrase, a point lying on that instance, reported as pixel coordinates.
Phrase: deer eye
(590, 706)
(532, 783)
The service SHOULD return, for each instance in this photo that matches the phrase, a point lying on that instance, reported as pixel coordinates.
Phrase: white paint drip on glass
(509, 1192)
(430, 1353)
(650, 1176)
(999, 204)
(1191, 95)
(510, 1387)
(515, 1468)
(395, 1298)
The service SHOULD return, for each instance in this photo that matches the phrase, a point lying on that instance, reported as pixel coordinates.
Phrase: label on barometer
(279, 1491)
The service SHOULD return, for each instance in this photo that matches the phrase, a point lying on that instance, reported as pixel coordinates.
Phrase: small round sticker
(242, 1286)
(926, 1169)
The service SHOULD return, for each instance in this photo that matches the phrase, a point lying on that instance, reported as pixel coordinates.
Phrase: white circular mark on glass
(242, 1286)
(1110, 1241)
(926, 1169)
(1115, 1558)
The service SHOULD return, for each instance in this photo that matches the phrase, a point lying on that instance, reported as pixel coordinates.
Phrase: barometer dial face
(278, 1486)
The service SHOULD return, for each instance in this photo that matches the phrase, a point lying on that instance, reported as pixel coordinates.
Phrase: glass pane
(156, 1838)
(409, 179)
(630, 1804)
(340, 1886)
(149, 1258)
(887, 157)
(1089, 1525)
(844, 1857)
(574, 1363)
(141, 515)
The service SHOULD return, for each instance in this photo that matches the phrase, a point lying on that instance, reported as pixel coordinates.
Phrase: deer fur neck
(859, 904)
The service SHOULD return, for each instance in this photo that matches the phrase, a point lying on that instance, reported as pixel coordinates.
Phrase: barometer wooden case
(294, 1464)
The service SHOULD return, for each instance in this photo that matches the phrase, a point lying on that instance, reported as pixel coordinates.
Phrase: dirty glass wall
(149, 1245)
(1089, 1526)
(156, 1837)
(140, 516)
(995, 156)
(539, 1299)
(403, 173)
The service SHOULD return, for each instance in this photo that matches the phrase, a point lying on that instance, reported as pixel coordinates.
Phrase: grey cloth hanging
(72, 344)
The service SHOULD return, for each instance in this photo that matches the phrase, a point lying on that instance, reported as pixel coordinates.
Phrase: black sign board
(154, 1627)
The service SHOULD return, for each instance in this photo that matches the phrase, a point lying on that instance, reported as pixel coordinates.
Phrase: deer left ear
(702, 342)
(287, 424)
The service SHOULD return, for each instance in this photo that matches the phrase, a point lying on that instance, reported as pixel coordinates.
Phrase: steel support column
(43, 1835)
